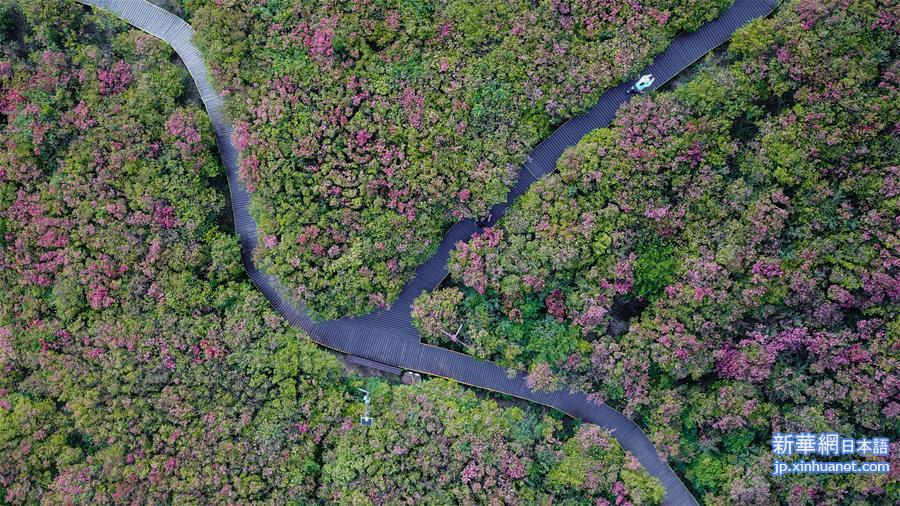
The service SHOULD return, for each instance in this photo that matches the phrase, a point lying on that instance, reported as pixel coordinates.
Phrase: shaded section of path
(387, 336)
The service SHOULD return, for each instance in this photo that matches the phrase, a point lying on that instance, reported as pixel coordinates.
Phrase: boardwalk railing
(387, 336)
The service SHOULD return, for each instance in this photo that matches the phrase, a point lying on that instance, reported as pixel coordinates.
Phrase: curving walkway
(387, 336)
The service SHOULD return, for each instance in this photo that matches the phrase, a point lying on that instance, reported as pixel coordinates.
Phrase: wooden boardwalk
(387, 336)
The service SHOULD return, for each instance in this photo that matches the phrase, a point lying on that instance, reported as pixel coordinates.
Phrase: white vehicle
(643, 83)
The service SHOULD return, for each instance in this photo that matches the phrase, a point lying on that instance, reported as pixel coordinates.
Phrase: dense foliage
(747, 222)
(439, 445)
(137, 363)
(367, 128)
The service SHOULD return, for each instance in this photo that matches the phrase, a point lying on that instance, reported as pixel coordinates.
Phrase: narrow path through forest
(387, 336)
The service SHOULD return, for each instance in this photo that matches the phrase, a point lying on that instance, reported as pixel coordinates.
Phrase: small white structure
(365, 420)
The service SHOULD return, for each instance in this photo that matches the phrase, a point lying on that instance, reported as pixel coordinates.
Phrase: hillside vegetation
(721, 263)
(138, 365)
(367, 128)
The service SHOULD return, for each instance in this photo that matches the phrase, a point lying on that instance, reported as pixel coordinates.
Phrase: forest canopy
(367, 128)
(138, 365)
(721, 263)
